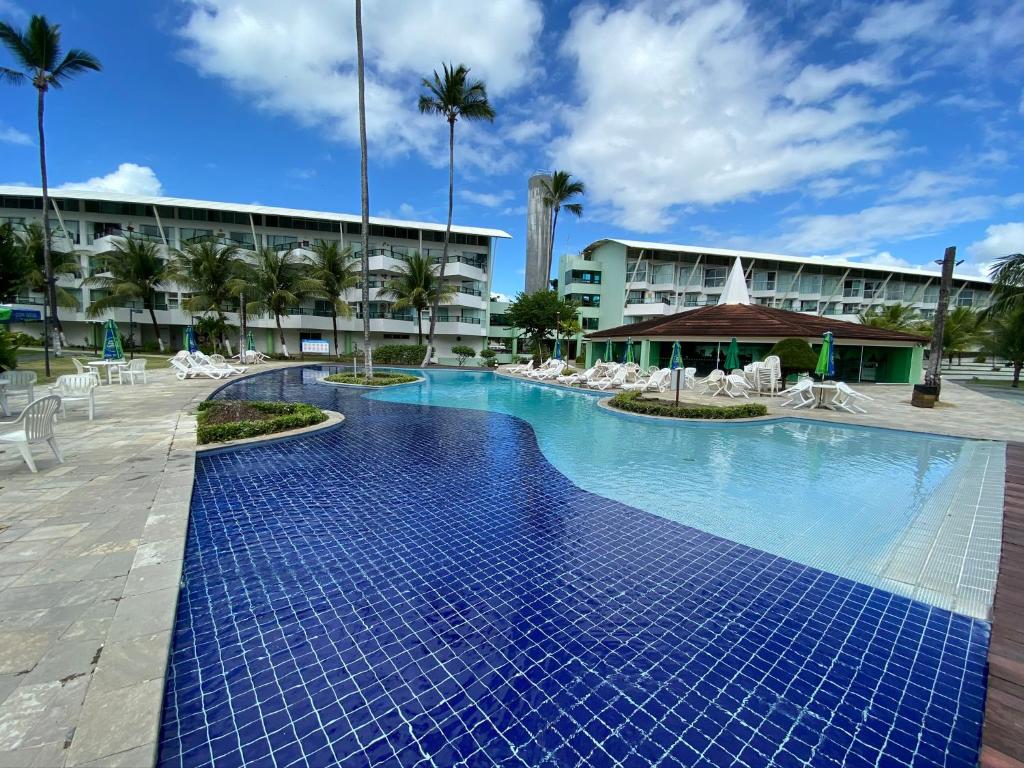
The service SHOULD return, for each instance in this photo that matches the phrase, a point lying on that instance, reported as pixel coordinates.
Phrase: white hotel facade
(88, 223)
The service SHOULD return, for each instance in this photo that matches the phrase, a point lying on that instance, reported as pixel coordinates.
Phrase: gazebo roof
(750, 321)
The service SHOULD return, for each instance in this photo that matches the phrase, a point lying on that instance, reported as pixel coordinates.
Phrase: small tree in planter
(488, 355)
(463, 353)
(795, 356)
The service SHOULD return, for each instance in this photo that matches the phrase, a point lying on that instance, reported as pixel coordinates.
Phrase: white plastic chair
(690, 378)
(34, 425)
(20, 381)
(132, 371)
(84, 369)
(800, 395)
(846, 398)
(73, 388)
(713, 383)
(736, 385)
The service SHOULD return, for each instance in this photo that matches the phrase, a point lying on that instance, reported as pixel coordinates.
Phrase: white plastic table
(821, 387)
(110, 365)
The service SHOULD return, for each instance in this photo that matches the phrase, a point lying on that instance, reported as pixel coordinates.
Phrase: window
(808, 306)
(585, 299)
(190, 233)
(831, 308)
(691, 299)
(243, 239)
(714, 277)
(810, 283)
(590, 324)
(280, 240)
(72, 229)
(965, 298)
(851, 309)
(931, 295)
(635, 297)
(787, 304)
(764, 281)
(500, 320)
(872, 289)
(583, 276)
(894, 291)
(852, 288)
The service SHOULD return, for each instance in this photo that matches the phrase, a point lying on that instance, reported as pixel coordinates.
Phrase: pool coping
(1002, 741)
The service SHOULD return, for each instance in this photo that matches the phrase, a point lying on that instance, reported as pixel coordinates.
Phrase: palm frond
(76, 62)
(43, 42)
(12, 77)
(17, 43)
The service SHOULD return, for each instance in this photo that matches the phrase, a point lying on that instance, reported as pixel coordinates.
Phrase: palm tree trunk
(436, 303)
(334, 324)
(551, 250)
(419, 327)
(1016, 374)
(364, 191)
(57, 332)
(156, 328)
(280, 333)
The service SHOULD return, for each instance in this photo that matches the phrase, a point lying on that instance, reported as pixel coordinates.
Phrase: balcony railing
(458, 319)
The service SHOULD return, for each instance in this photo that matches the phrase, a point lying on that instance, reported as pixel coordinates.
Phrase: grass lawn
(32, 360)
(1003, 383)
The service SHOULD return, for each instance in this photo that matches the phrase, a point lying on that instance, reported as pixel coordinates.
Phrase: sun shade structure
(628, 357)
(732, 355)
(190, 340)
(826, 367)
(112, 342)
(877, 354)
(677, 356)
(735, 291)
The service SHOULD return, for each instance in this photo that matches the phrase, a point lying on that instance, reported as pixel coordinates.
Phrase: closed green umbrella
(826, 367)
(732, 355)
(610, 356)
(190, 340)
(628, 357)
(250, 342)
(112, 341)
(558, 349)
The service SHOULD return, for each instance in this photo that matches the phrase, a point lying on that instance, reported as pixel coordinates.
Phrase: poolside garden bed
(222, 420)
(378, 380)
(634, 402)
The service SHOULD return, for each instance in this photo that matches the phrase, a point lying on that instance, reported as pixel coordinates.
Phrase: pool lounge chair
(186, 367)
(656, 382)
(616, 381)
(548, 374)
(522, 368)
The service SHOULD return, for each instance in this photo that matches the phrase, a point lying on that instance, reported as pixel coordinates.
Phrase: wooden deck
(1003, 738)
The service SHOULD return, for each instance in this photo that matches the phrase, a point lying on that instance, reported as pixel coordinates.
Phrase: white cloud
(128, 179)
(693, 109)
(815, 82)
(514, 210)
(499, 296)
(12, 10)
(885, 259)
(302, 174)
(10, 135)
(487, 199)
(301, 63)
(878, 224)
(1000, 240)
(970, 103)
(929, 185)
(527, 130)
(895, 21)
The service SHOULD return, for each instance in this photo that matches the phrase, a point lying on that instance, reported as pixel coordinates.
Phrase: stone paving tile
(90, 562)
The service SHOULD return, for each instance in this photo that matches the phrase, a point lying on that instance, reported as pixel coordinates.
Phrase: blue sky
(878, 132)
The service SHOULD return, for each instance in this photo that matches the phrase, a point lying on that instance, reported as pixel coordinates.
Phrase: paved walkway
(90, 564)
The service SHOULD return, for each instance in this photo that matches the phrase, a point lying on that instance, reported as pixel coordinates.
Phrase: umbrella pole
(678, 377)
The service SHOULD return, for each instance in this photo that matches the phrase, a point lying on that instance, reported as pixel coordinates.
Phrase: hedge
(379, 379)
(635, 403)
(399, 354)
(281, 417)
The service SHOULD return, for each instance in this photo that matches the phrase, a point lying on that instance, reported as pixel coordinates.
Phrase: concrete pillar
(538, 234)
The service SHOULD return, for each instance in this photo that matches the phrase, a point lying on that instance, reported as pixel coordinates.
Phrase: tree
(213, 274)
(1008, 332)
(279, 282)
(488, 355)
(452, 97)
(558, 193)
(364, 192)
(463, 353)
(37, 50)
(895, 317)
(132, 270)
(795, 356)
(31, 242)
(16, 265)
(8, 352)
(415, 287)
(1008, 282)
(331, 265)
(961, 331)
(537, 314)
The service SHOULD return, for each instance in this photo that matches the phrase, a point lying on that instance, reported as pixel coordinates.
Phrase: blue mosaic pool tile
(421, 588)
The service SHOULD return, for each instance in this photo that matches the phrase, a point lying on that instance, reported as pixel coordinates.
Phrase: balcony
(649, 308)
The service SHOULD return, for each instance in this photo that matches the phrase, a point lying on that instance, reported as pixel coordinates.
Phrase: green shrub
(635, 403)
(279, 417)
(795, 356)
(8, 351)
(980, 358)
(489, 356)
(379, 379)
(21, 339)
(399, 354)
(462, 352)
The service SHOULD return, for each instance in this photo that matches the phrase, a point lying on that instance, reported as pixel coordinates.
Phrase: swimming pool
(426, 585)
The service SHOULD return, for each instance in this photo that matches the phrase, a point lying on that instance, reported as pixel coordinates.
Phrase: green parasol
(732, 355)
(826, 367)
(112, 341)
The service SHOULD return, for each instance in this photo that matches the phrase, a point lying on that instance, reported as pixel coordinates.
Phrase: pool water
(426, 586)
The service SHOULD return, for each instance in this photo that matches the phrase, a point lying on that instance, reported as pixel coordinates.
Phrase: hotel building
(88, 223)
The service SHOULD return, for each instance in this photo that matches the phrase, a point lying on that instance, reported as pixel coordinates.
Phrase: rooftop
(114, 197)
(730, 252)
(751, 321)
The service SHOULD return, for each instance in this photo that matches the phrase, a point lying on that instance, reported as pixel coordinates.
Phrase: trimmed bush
(462, 353)
(399, 354)
(260, 418)
(635, 403)
(795, 356)
(489, 356)
(378, 380)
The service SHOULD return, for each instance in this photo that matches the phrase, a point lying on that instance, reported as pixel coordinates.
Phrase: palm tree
(415, 288)
(364, 193)
(213, 274)
(279, 282)
(332, 266)
(37, 50)
(1008, 340)
(451, 97)
(558, 192)
(134, 269)
(31, 242)
(1008, 282)
(895, 317)
(960, 331)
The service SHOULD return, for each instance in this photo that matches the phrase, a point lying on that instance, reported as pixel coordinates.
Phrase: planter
(924, 396)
